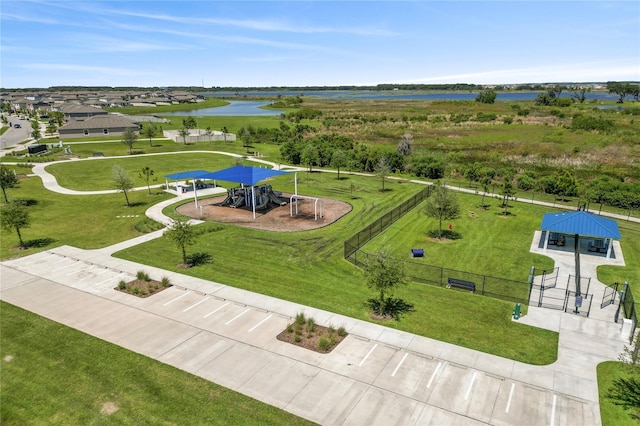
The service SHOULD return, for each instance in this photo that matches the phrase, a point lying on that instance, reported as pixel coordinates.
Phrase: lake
(253, 108)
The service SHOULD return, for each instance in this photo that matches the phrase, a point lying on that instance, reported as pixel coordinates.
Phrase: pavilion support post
(296, 184)
(609, 247)
(253, 200)
(195, 193)
(546, 239)
(577, 253)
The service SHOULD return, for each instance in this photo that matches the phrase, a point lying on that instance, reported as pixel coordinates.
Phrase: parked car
(17, 126)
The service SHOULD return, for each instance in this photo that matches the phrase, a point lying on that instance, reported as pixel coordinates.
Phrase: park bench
(598, 246)
(417, 252)
(554, 237)
(467, 285)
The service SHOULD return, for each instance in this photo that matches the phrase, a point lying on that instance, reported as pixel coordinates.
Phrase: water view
(235, 108)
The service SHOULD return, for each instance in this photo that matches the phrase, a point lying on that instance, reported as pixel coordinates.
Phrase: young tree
(338, 160)
(149, 131)
(182, 233)
(8, 179)
(184, 132)
(190, 123)
(122, 181)
(507, 192)
(472, 172)
(404, 146)
(486, 182)
(129, 138)
(14, 215)
(246, 136)
(58, 116)
(208, 133)
(442, 205)
(625, 392)
(35, 130)
(384, 273)
(224, 133)
(51, 129)
(383, 169)
(146, 174)
(309, 155)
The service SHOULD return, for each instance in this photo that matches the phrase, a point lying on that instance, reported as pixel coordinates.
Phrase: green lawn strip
(92, 175)
(630, 244)
(52, 374)
(82, 221)
(611, 414)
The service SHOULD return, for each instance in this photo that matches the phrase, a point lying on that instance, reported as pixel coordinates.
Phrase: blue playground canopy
(581, 223)
(194, 174)
(245, 175)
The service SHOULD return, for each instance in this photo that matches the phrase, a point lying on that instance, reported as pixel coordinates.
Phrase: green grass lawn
(55, 375)
(611, 414)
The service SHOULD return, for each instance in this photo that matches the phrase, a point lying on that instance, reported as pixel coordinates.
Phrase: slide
(275, 199)
(239, 202)
(262, 202)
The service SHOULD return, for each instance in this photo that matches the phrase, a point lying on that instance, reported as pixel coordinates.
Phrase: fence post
(484, 279)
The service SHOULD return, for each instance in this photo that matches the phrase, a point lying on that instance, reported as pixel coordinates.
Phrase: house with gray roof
(98, 125)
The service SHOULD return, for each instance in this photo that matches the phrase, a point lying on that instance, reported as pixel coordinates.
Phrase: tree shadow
(26, 201)
(38, 243)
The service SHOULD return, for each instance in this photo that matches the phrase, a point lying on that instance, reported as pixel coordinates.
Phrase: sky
(315, 43)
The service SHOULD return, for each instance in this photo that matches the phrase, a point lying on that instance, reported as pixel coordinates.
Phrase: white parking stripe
(367, 355)
(513, 386)
(553, 410)
(473, 379)
(399, 364)
(215, 310)
(194, 305)
(237, 316)
(66, 266)
(435, 373)
(177, 298)
(260, 323)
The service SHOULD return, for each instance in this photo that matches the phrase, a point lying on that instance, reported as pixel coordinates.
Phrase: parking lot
(229, 337)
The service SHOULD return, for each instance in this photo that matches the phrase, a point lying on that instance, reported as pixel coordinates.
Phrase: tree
(384, 273)
(507, 192)
(620, 89)
(51, 129)
(184, 132)
(404, 146)
(122, 181)
(472, 172)
(625, 391)
(246, 136)
(35, 130)
(578, 93)
(8, 179)
(487, 96)
(146, 174)
(224, 133)
(208, 133)
(338, 160)
(129, 138)
(182, 233)
(442, 205)
(309, 155)
(486, 182)
(58, 116)
(14, 215)
(149, 131)
(383, 169)
(189, 123)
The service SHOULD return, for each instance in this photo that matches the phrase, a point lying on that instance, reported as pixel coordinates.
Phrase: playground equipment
(264, 195)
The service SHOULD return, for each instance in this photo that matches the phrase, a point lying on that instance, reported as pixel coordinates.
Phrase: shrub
(290, 328)
(142, 276)
(147, 225)
(323, 343)
(122, 285)
(590, 123)
(300, 318)
(297, 338)
(342, 332)
(507, 119)
(165, 282)
(311, 325)
(197, 259)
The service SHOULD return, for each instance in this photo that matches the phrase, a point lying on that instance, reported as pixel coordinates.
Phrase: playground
(275, 218)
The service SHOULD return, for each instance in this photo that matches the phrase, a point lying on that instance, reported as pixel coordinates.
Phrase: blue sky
(307, 43)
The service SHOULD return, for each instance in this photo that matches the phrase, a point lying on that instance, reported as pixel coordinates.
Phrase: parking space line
(513, 386)
(76, 263)
(473, 379)
(399, 364)
(367, 355)
(104, 281)
(237, 316)
(435, 373)
(196, 304)
(553, 410)
(177, 298)
(260, 323)
(215, 310)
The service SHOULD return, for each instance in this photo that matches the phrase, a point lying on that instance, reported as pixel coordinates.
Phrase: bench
(467, 285)
(554, 237)
(417, 252)
(598, 246)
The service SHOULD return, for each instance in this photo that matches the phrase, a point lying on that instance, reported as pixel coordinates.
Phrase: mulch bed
(310, 341)
(142, 288)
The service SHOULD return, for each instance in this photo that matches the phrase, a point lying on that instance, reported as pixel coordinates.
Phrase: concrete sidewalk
(377, 376)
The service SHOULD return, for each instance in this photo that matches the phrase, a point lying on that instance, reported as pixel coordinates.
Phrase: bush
(165, 282)
(323, 344)
(591, 123)
(300, 318)
(197, 259)
(311, 325)
(147, 225)
(142, 276)
(342, 332)
(122, 285)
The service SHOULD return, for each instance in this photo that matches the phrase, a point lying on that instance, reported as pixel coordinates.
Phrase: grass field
(611, 414)
(55, 375)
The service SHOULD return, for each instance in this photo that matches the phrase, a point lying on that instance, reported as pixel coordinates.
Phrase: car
(17, 126)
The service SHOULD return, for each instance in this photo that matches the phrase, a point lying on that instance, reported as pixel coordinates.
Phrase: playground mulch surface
(273, 219)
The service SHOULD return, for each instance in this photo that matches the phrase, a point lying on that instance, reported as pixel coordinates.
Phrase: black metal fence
(368, 233)
(628, 305)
